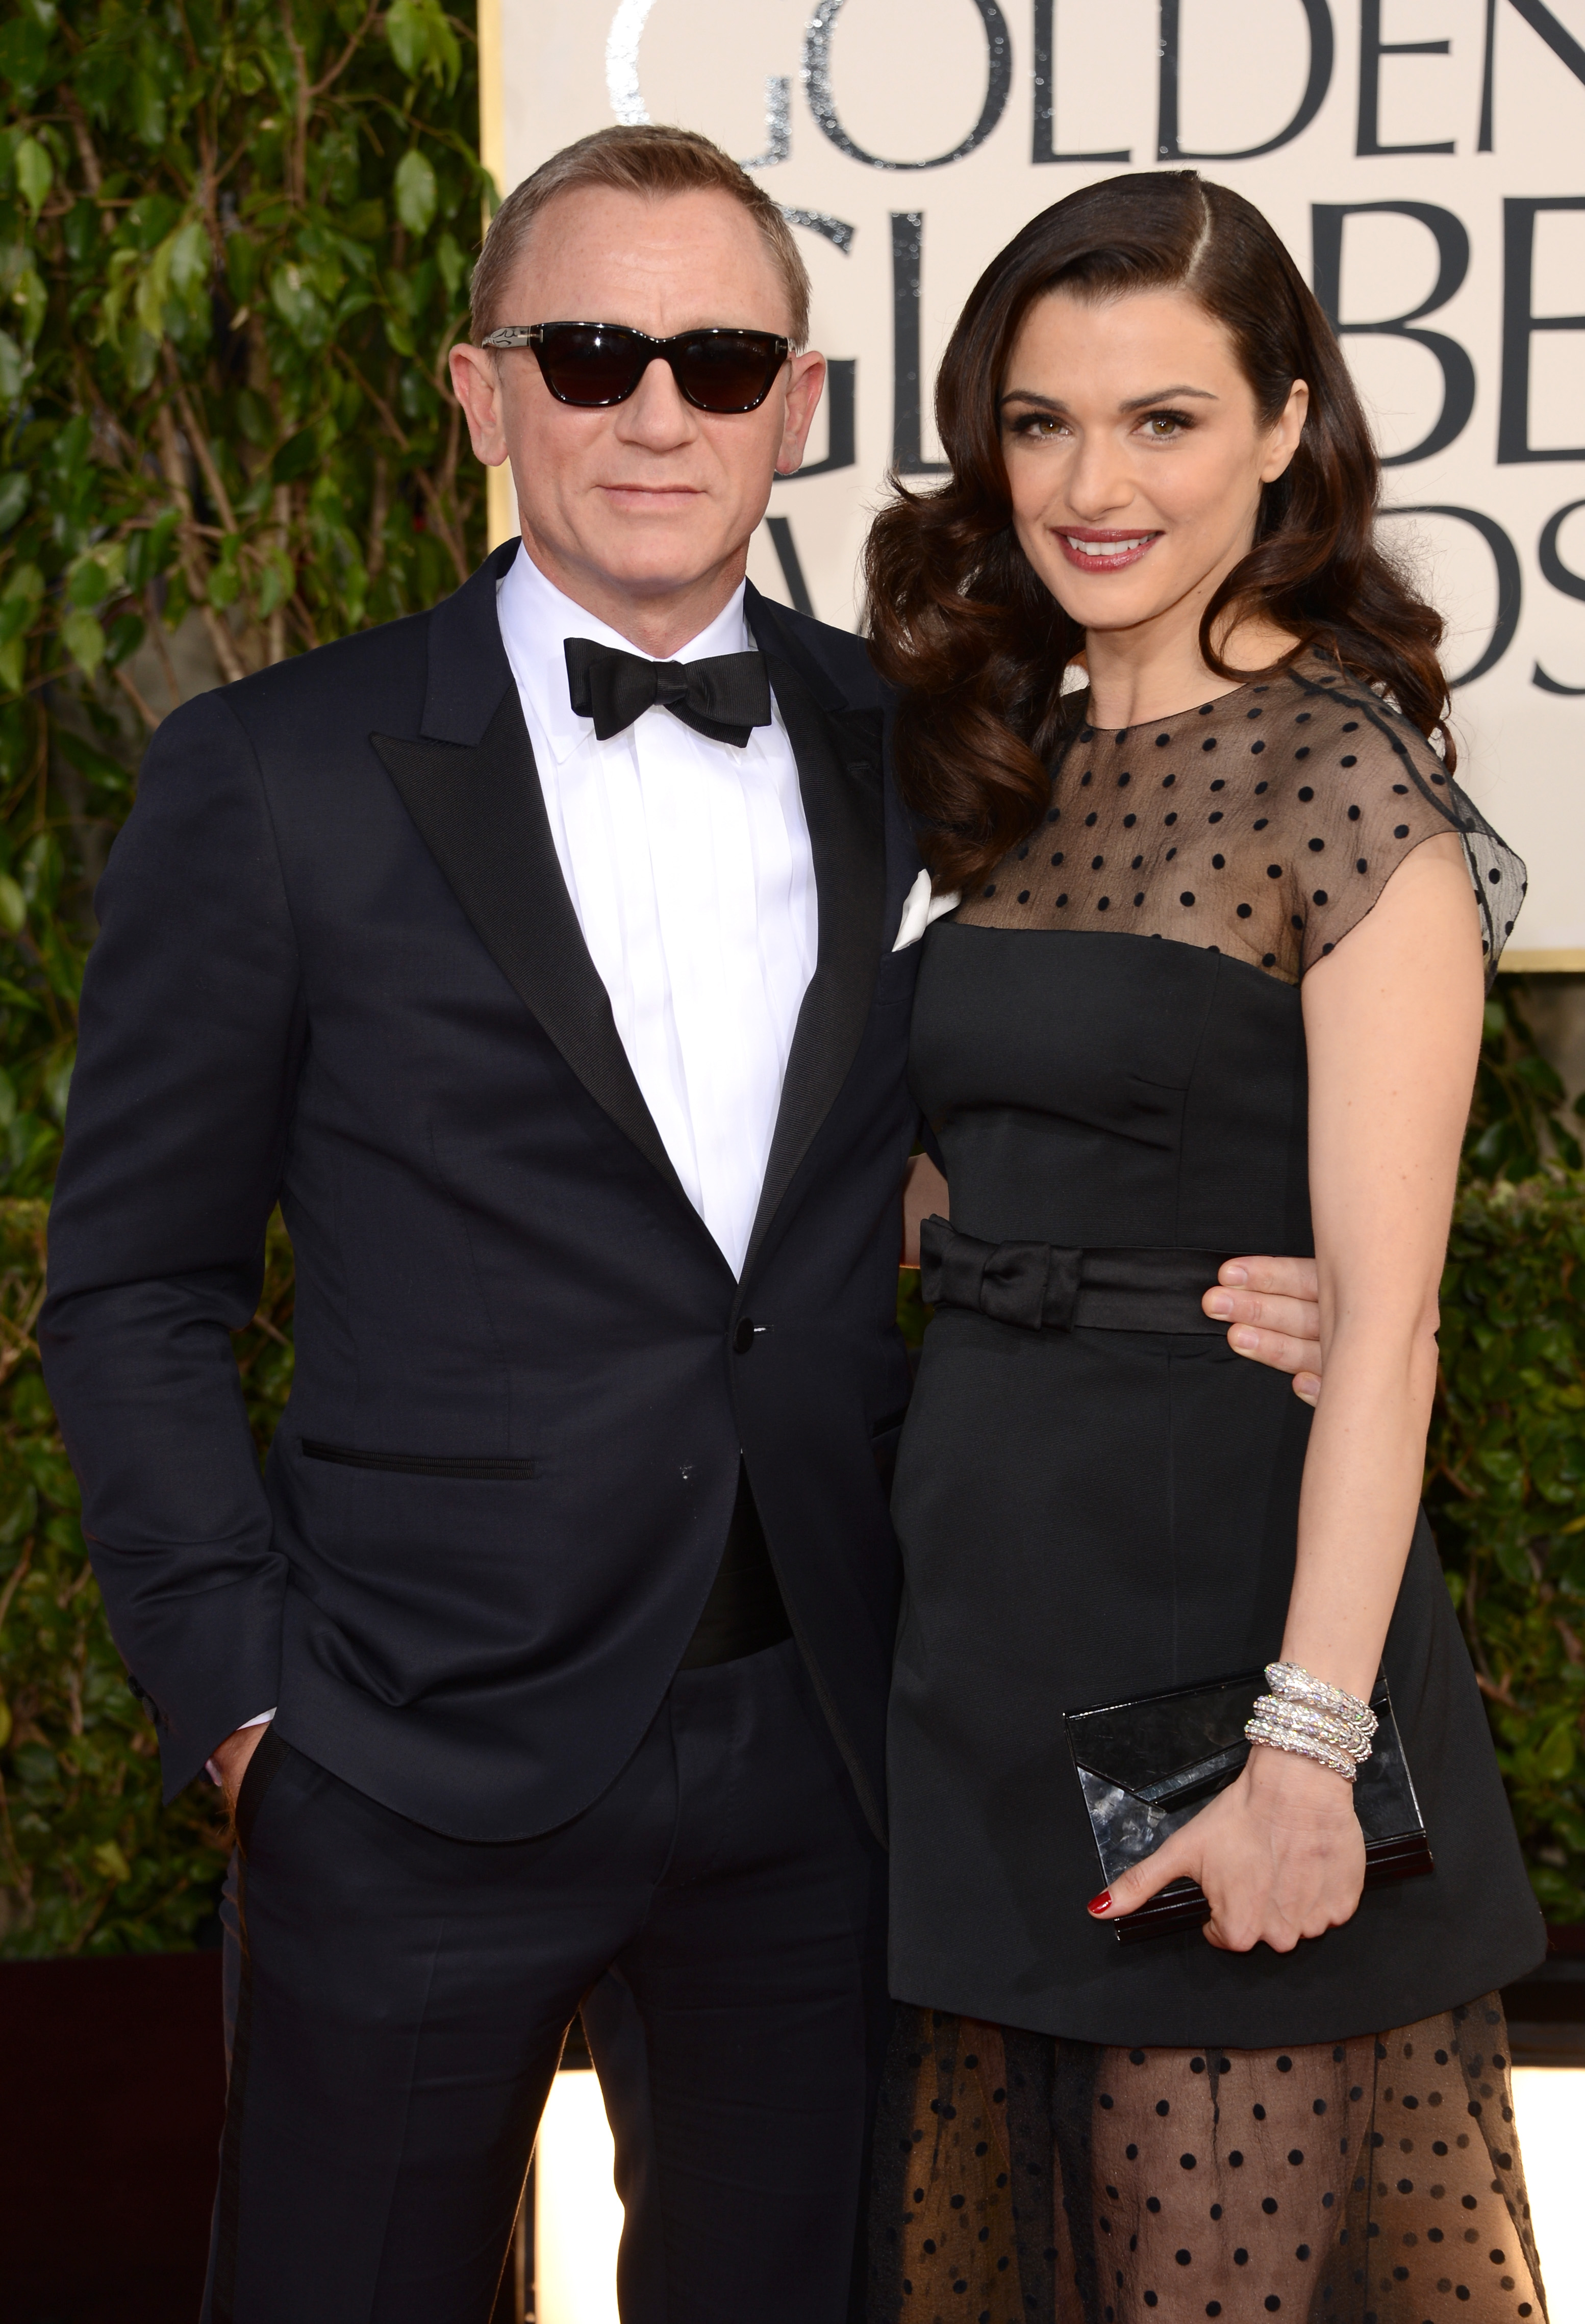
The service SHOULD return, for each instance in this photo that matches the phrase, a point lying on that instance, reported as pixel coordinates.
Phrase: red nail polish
(1098, 1904)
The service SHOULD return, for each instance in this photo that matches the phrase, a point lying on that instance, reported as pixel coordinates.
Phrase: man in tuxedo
(539, 956)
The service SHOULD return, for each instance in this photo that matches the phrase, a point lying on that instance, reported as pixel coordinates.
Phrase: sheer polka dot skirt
(1021, 2179)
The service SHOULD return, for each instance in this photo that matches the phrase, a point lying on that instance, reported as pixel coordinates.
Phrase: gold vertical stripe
(500, 505)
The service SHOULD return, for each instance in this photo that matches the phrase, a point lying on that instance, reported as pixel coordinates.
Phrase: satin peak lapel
(839, 755)
(481, 813)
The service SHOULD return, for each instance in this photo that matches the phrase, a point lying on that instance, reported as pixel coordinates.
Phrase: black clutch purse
(1146, 1766)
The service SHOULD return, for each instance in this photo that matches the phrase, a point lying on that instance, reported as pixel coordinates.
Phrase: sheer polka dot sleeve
(1373, 790)
(1263, 824)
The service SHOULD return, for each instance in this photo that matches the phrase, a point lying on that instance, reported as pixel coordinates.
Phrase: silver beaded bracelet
(1304, 1715)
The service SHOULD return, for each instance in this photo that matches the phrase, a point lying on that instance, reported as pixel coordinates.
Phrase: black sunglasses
(595, 363)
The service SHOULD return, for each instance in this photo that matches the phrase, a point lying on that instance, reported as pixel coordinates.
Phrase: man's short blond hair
(648, 159)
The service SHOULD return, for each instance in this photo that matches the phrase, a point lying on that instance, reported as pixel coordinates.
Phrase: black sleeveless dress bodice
(1108, 1041)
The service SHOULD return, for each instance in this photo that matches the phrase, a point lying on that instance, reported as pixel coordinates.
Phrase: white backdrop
(1423, 159)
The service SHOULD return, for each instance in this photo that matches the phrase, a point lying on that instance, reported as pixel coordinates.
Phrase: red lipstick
(1114, 546)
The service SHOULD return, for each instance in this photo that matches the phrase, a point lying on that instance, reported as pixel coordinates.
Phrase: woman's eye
(1161, 427)
(1038, 424)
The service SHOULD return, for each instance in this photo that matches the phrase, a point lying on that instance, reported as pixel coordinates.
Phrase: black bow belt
(1044, 1287)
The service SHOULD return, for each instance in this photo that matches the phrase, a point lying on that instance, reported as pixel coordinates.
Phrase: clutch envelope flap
(1159, 1740)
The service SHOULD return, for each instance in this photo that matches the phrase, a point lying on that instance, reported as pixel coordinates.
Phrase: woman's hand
(1280, 1854)
(925, 1191)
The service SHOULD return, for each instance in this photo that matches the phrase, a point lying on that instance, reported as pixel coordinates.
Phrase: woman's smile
(1096, 550)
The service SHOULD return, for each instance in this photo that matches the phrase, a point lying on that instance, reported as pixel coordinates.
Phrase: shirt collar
(537, 619)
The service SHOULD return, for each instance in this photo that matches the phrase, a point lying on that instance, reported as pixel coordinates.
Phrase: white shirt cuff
(262, 1719)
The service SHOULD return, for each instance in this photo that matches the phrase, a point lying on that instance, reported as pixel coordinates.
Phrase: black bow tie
(725, 696)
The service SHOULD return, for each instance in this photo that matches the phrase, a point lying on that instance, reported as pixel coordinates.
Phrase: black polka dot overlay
(986, 2214)
(1258, 826)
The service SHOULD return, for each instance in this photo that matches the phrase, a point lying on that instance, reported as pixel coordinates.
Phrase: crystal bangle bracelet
(1326, 1754)
(1296, 1685)
(1304, 1715)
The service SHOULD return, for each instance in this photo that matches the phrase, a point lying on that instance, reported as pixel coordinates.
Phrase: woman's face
(1134, 453)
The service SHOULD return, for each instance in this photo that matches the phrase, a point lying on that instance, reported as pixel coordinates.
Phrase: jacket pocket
(419, 1464)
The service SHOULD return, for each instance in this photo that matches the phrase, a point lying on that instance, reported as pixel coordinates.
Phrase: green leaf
(14, 919)
(14, 491)
(148, 553)
(300, 308)
(12, 369)
(191, 259)
(452, 265)
(81, 232)
(25, 52)
(84, 641)
(407, 30)
(423, 42)
(97, 575)
(110, 1863)
(24, 582)
(276, 583)
(296, 456)
(153, 291)
(151, 218)
(1554, 1760)
(148, 108)
(416, 192)
(242, 266)
(224, 578)
(35, 173)
(125, 634)
(31, 301)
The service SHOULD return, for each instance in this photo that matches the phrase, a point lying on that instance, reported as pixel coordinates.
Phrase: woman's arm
(1392, 1022)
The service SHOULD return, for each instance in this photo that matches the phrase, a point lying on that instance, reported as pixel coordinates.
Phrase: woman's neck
(1142, 674)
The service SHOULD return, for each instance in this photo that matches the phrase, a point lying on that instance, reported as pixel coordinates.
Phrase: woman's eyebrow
(1135, 403)
(1143, 402)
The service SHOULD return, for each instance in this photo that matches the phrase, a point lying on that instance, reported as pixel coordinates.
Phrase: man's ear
(476, 380)
(804, 394)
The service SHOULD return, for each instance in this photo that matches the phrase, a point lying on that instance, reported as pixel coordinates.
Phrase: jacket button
(743, 1337)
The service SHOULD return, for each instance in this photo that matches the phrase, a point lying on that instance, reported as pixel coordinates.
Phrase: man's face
(648, 501)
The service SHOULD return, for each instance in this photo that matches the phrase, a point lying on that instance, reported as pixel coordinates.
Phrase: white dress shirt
(689, 866)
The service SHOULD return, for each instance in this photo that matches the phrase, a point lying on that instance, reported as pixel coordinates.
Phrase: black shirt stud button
(743, 1337)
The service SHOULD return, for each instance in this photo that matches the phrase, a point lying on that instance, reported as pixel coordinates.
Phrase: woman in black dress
(1215, 985)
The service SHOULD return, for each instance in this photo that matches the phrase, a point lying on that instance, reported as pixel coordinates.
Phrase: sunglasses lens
(727, 370)
(584, 364)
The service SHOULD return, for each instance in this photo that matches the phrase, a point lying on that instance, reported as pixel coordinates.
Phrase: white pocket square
(921, 909)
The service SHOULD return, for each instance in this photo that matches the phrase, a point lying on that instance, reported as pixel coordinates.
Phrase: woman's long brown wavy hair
(961, 622)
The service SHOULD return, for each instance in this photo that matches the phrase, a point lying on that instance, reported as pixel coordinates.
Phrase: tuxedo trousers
(398, 2001)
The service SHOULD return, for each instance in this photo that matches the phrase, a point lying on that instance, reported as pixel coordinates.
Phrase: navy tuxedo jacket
(339, 970)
